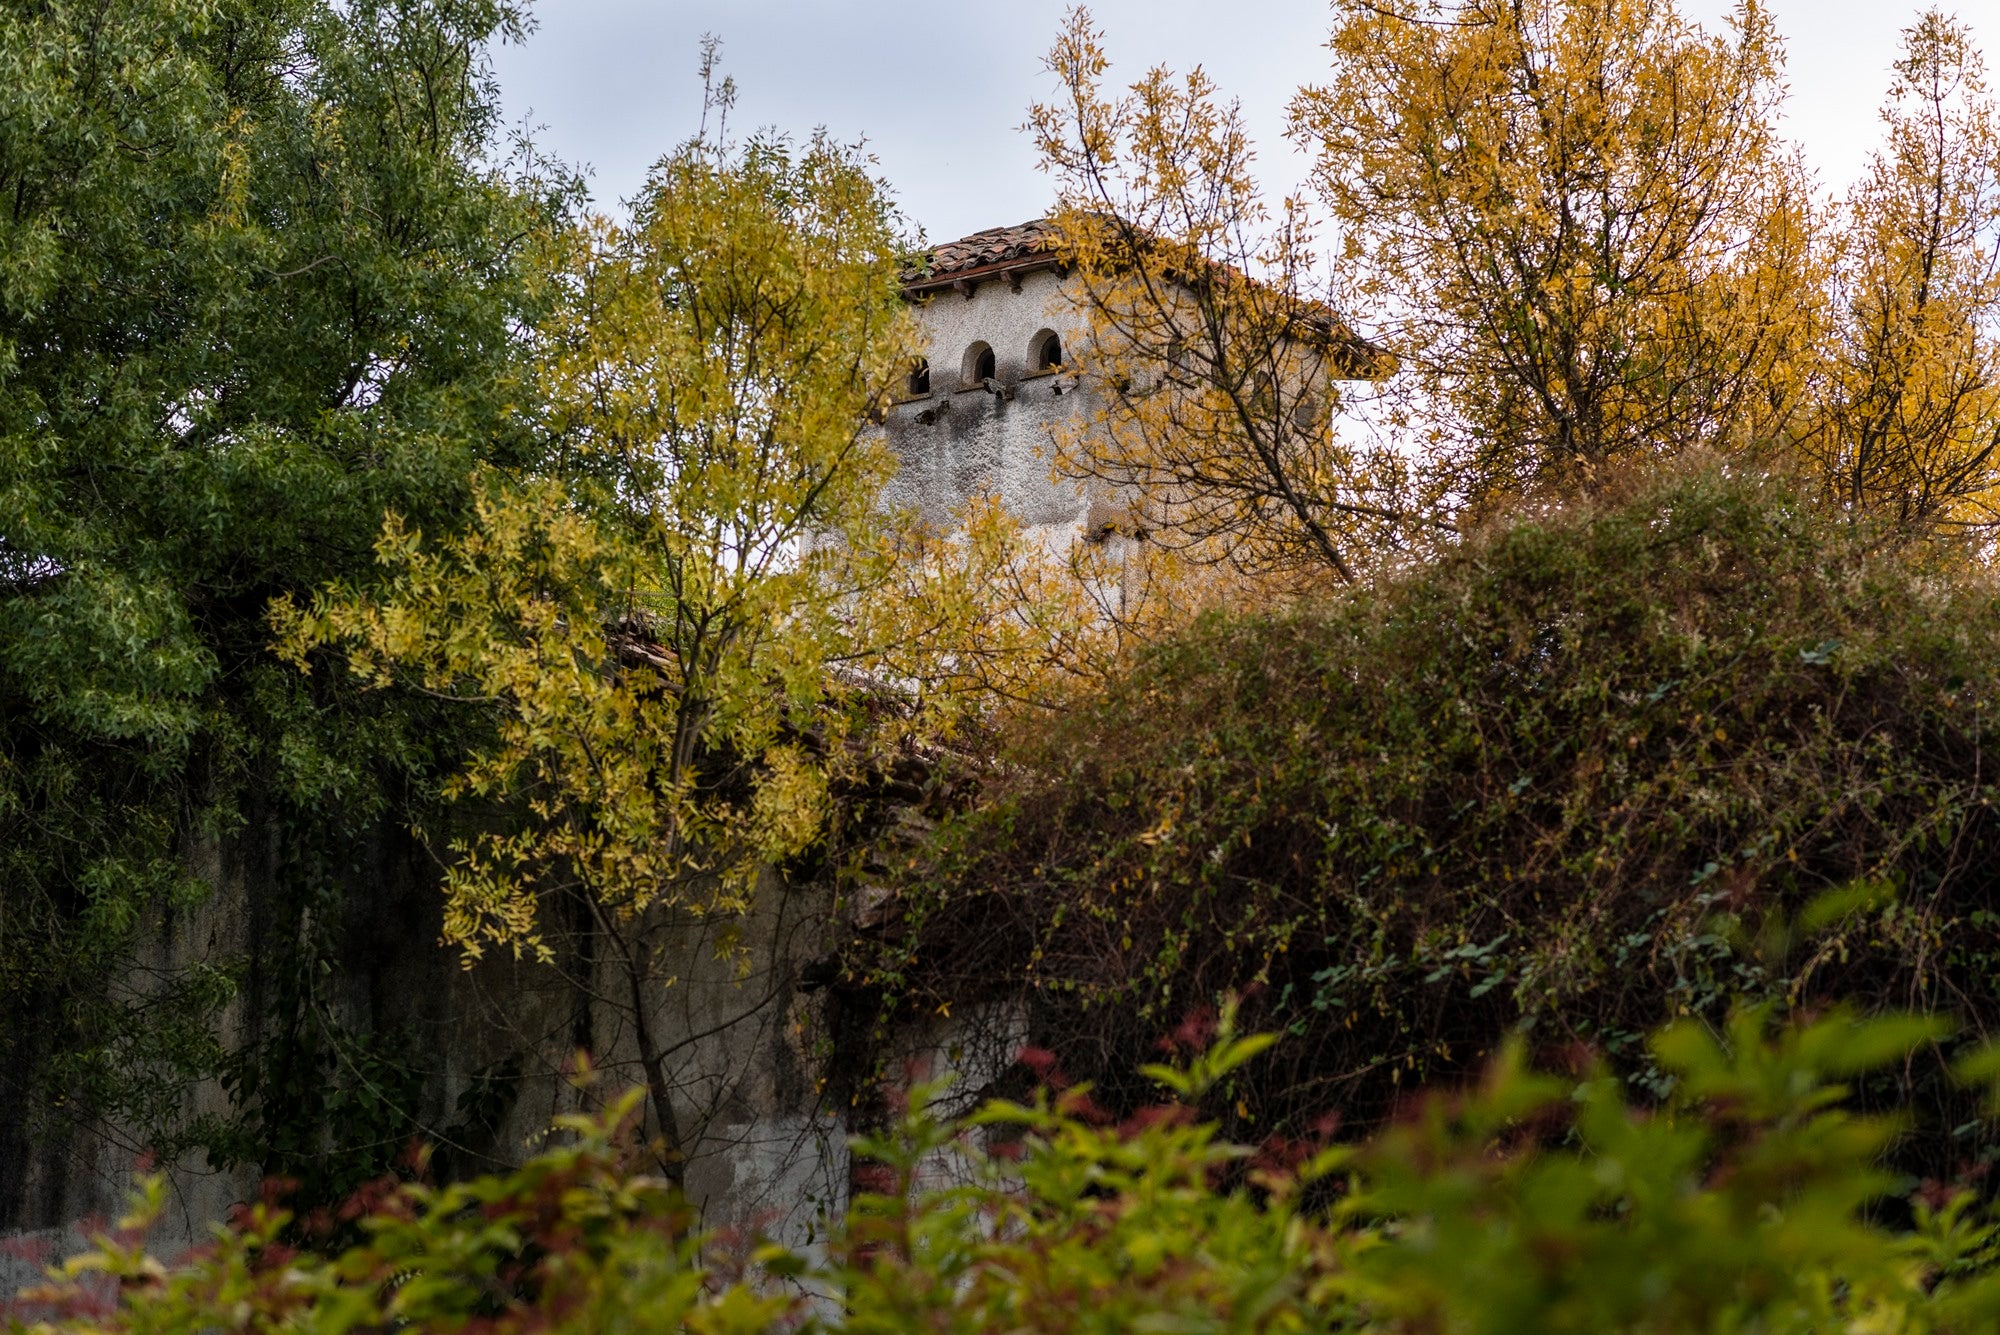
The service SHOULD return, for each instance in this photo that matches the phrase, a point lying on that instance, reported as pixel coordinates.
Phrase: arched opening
(979, 366)
(1045, 352)
(920, 378)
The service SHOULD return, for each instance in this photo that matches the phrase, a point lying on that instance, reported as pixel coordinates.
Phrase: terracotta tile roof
(984, 250)
(1032, 244)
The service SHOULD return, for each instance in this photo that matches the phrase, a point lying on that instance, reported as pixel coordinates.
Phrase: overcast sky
(939, 91)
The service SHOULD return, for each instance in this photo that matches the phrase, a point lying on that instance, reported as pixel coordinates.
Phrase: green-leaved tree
(259, 283)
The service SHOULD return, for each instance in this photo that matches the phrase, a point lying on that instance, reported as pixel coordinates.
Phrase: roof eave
(1019, 264)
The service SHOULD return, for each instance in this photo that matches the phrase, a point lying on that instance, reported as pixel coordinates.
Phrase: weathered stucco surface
(962, 439)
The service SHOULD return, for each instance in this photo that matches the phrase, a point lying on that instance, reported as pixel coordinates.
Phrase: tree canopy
(1564, 241)
(261, 282)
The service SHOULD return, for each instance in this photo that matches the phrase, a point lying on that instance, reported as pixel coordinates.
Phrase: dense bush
(1579, 777)
(1741, 1206)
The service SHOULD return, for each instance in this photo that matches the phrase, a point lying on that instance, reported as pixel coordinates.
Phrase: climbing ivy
(1578, 777)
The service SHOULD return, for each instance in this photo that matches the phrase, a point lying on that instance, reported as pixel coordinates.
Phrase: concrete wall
(61, 1182)
(766, 1148)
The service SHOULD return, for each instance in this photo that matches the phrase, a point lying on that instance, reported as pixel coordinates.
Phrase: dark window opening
(1047, 354)
(979, 366)
(920, 377)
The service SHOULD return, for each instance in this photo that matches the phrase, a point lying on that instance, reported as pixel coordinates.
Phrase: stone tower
(979, 412)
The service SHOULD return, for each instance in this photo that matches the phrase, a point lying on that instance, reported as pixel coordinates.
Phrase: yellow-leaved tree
(1912, 403)
(699, 619)
(1217, 351)
(1576, 227)
(1573, 229)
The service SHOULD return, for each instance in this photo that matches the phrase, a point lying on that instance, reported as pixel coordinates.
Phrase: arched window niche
(978, 368)
(1045, 353)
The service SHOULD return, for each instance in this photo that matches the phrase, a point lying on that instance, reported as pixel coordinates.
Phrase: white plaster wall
(765, 1150)
(960, 441)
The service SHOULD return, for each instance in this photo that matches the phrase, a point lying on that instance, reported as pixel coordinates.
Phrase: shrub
(1579, 777)
(1529, 1203)
(576, 1239)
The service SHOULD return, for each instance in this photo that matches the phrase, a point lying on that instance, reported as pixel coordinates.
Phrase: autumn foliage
(1547, 242)
(1554, 598)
